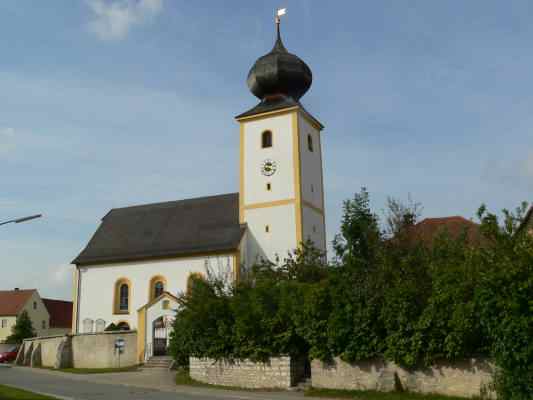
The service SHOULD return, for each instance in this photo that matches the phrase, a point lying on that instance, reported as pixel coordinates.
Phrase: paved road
(146, 385)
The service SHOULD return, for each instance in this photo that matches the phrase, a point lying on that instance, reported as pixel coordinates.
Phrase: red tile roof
(60, 313)
(428, 229)
(12, 301)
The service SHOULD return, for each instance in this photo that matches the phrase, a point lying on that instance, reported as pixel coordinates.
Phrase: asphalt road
(124, 386)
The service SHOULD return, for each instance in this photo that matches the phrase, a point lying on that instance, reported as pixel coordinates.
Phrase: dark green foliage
(387, 295)
(23, 329)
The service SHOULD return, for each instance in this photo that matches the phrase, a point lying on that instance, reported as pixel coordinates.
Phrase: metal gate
(161, 328)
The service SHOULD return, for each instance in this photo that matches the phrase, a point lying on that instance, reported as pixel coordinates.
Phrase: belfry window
(124, 297)
(266, 139)
(310, 142)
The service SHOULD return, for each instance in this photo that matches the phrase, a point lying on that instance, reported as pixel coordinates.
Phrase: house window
(166, 304)
(35, 305)
(310, 142)
(88, 325)
(269, 186)
(266, 139)
(100, 325)
(312, 188)
(267, 228)
(4, 323)
(43, 324)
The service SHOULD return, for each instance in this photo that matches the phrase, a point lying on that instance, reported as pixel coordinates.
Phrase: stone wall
(279, 372)
(79, 351)
(97, 350)
(45, 349)
(466, 378)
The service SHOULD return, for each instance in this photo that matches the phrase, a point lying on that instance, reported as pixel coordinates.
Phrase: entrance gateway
(155, 325)
(161, 335)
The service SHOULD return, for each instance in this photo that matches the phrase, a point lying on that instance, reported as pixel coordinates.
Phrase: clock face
(268, 167)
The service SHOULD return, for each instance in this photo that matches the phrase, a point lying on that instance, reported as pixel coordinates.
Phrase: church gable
(176, 228)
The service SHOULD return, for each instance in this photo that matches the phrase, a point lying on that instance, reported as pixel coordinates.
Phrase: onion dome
(279, 73)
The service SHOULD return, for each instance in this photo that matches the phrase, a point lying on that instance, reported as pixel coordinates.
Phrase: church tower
(281, 195)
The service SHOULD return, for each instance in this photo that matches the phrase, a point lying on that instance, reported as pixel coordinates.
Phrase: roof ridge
(172, 202)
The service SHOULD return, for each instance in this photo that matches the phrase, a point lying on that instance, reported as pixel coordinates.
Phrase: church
(141, 257)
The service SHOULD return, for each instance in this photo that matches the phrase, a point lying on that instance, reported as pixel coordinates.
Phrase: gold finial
(279, 13)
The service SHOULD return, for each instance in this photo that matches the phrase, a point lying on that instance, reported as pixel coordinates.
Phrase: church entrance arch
(161, 328)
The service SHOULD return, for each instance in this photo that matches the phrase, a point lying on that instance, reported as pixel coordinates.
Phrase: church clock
(268, 167)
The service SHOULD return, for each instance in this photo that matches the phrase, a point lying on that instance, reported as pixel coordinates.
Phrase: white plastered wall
(97, 284)
(282, 182)
(280, 238)
(311, 162)
(313, 227)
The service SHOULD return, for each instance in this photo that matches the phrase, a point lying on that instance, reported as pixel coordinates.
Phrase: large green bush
(385, 295)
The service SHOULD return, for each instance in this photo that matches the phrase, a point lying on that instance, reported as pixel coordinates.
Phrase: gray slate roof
(174, 228)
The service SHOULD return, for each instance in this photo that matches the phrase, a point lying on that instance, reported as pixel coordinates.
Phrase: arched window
(88, 325)
(122, 296)
(159, 287)
(123, 326)
(266, 139)
(158, 284)
(310, 142)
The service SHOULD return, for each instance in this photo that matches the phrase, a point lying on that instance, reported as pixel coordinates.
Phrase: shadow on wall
(88, 350)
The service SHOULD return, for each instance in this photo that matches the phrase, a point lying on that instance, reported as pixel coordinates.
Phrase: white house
(141, 256)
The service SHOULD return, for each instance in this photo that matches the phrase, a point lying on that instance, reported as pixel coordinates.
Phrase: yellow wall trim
(151, 288)
(313, 207)
(75, 300)
(268, 114)
(116, 296)
(241, 176)
(297, 177)
(141, 334)
(269, 204)
(322, 182)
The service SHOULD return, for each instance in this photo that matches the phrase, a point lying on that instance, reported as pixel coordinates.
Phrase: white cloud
(113, 19)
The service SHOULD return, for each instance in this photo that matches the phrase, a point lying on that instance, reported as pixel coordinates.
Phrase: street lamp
(23, 219)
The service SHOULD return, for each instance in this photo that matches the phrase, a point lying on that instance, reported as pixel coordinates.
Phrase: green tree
(23, 329)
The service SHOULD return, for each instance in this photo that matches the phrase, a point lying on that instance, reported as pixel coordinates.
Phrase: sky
(110, 103)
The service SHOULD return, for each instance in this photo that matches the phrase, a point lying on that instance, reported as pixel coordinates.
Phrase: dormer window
(266, 139)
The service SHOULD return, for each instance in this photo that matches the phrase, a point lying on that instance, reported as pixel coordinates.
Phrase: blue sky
(111, 103)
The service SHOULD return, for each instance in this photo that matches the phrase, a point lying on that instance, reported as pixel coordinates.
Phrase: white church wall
(311, 162)
(282, 182)
(280, 237)
(313, 227)
(98, 284)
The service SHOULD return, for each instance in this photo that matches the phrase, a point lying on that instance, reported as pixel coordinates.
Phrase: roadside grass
(9, 393)
(373, 395)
